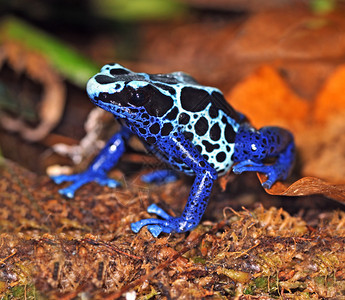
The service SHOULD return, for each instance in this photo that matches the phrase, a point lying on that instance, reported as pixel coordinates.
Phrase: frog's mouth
(119, 111)
(112, 103)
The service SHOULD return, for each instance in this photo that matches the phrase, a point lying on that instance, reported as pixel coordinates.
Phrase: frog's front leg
(182, 149)
(254, 147)
(98, 169)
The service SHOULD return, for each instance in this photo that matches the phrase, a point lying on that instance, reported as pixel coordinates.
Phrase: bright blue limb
(62, 178)
(252, 147)
(273, 172)
(79, 181)
(98, 169)
(155, 230)
(154, 209)
(178, 147)
(160, 177)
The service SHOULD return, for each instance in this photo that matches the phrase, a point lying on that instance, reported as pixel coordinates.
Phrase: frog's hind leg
(160, 176)
(254, 148)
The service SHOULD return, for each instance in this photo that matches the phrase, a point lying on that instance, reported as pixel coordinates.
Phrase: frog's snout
(91, 88)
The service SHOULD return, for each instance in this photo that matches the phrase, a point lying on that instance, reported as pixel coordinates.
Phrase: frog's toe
(62, 178)
(105, 181)
(267, 184)
(160, 177)
(57, 179)
(169, 225)
(155, 230)
(155, 209)
(79, 180)
(136, 226)
(273, 172)
(68, 191)
(247, 165)
(155, 226)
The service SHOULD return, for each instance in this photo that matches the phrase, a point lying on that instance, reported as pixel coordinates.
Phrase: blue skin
(189, 126)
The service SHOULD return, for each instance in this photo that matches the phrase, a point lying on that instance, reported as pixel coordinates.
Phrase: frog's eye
(138, 98)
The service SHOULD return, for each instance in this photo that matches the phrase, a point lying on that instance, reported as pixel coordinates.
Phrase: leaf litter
(84, 247)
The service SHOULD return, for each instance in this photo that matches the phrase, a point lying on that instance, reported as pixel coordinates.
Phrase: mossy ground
(83, 248)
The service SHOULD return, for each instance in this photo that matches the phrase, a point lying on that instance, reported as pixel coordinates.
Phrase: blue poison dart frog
(189, 126)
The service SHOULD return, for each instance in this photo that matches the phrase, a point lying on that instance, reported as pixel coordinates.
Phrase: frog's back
(204, 117)
(164, 104)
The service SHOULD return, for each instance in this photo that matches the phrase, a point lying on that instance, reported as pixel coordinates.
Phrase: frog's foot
(168, 224)
(80, 179)
(273, 172)
(160, 177)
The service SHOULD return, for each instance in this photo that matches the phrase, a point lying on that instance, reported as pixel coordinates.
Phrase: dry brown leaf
(307, 186)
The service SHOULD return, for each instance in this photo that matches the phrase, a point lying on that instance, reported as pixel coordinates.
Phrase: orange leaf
(266, 99)
(331, 99)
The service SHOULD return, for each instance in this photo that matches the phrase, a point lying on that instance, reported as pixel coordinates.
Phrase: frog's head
(126, 94)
